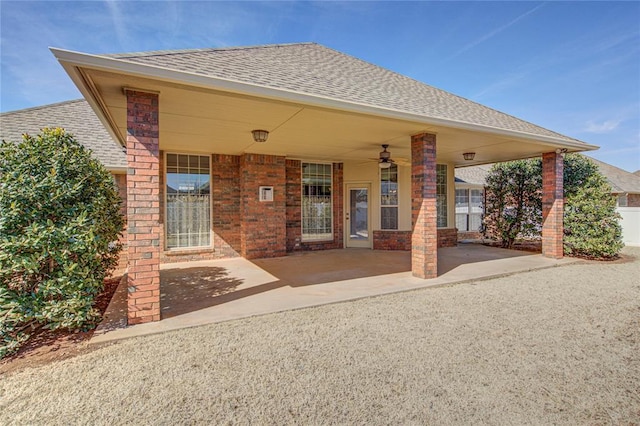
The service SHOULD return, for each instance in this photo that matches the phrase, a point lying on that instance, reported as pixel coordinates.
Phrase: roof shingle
(317, 70)
(76, 117)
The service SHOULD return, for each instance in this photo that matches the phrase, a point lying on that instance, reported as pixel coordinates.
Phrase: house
(266, 150)
(470, 181)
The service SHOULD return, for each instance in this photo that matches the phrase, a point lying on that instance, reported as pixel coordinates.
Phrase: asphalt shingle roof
(317, 70)
(475, 175)
(619, 179)
(76, 117)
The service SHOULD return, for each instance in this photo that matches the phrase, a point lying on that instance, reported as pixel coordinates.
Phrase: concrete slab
(205, 292)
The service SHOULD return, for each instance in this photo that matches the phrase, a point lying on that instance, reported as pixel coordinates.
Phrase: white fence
(630, 225)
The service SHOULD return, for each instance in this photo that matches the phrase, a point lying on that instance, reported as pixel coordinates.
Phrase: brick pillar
(143, 207)
(552, 204)
(424, 238)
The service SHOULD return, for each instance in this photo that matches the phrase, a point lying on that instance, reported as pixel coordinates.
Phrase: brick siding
(424, 240)
(633, 200)
(401, 240)
(447, 237)
(143, 204)
(552, 204)
(392, 240)
(263, 226)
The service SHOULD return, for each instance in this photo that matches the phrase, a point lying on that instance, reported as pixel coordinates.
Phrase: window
(622, 200)
(441, 195)
(317, 206)
(468, 209)
(389, 197)
(188, 212)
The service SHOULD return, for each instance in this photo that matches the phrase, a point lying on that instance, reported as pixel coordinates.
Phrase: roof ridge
(445, 91)
(168, 52)
(35, 108)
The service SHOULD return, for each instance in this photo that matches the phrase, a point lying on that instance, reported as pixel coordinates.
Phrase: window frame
(165, 221)
(446, 196)
(328, 237)
(390, 206)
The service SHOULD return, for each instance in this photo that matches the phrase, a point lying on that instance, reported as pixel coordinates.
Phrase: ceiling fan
(384, 160)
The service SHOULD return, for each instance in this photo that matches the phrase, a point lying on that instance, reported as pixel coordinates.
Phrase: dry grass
(556, 346)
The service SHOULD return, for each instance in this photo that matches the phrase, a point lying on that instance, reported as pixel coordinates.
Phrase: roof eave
(73, 61)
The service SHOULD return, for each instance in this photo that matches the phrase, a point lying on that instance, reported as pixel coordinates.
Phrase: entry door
(357, 217)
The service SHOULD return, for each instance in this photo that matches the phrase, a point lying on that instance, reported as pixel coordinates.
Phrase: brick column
(552, 204)
(143, 207)
(424, 238)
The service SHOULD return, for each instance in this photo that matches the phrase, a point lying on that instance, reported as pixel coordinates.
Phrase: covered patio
(227, 159)
(205, 292)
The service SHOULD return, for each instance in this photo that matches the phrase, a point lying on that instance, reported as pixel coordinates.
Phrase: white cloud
(603, 127)
(494, 32)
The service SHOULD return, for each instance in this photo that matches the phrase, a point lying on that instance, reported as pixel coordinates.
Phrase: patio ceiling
(196, 116)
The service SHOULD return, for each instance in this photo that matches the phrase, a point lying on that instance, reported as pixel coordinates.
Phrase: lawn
(554, 346)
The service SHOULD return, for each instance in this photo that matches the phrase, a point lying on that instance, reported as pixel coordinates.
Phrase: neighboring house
(261, 151)
(470, 183)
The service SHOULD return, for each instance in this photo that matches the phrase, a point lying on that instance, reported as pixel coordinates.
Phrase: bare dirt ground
(45, 346)
(554, 346)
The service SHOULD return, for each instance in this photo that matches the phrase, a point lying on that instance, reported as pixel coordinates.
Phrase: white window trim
(397, 205)
(315, 239)
(164, 224)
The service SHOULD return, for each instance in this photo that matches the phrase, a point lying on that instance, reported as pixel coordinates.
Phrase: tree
(591, 223)
(513, 202)
(59, 225)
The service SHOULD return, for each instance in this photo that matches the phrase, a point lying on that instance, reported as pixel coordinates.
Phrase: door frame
(348, 243)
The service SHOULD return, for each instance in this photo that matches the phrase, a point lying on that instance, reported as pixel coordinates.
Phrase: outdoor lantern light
(260, 135)
(469, 155)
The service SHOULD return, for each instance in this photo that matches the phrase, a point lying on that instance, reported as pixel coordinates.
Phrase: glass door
(357, 216)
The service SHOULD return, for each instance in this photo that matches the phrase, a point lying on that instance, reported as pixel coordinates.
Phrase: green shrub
(513, 203)
(591, 223)
(59, 225)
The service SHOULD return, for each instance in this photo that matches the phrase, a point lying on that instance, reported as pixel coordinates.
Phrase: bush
(59, 223)
(513, 203)
(591, 223)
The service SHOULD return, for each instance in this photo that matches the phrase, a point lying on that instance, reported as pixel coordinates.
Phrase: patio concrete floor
(205, 292)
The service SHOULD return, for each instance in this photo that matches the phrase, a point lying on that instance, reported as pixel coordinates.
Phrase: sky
(572, 67)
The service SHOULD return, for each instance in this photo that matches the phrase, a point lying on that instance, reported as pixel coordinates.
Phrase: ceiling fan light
(384, 164)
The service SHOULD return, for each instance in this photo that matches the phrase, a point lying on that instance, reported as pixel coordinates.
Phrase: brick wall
(392, 240)
(552, 204)
(294, 209)
(447, 237)
(263, 226)
(143, 206)
(401, 240)
(469, 235)
(633, 200)
(225, 183)
(424, 238)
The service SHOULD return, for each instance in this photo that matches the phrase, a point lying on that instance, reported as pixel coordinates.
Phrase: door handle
(347, 216)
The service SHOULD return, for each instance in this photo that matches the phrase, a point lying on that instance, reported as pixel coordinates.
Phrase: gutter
(73, 61)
